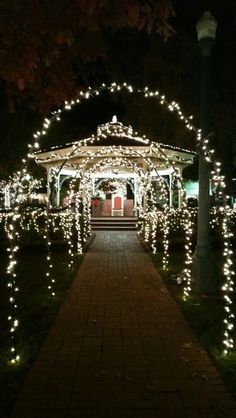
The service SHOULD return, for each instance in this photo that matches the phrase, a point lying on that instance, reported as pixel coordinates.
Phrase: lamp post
(202, 269)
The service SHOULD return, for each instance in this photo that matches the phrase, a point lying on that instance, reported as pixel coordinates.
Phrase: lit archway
(203, 144)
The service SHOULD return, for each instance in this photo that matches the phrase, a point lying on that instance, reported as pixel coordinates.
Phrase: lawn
(204, 313)
(36, 311)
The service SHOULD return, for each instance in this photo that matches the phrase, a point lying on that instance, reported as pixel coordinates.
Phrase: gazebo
(114, 159)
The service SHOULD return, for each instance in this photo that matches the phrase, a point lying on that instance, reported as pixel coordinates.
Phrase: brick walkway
(120, 347)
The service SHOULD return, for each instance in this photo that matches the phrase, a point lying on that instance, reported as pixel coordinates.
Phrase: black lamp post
(202, 270)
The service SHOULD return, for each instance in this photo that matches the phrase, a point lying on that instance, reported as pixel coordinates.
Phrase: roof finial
(114, 119)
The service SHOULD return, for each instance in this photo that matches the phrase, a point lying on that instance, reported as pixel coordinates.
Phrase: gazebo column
(145, 169)
(180, 191)
(7, 199)
(170, 191)
(93, 185)
(180, 198)
(144, 204)
(53, 187)
(135, 196)
(83, 189)
(144, 201)
(49, 185)
(138, 196)
(58, 188)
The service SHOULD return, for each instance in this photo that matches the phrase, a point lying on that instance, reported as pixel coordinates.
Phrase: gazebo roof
(113, 139)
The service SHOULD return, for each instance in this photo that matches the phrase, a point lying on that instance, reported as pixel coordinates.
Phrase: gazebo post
(58, 190)
(135, 195)
(48, 184)
(170, 191)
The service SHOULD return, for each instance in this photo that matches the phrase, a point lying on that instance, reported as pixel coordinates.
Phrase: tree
(46, 43)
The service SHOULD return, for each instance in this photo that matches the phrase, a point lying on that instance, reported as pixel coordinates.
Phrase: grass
(205, 314)
(36, 312)
(206, 318)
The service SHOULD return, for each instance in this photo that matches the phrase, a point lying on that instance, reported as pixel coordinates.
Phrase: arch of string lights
(127, 153)
(147, 155)
(218, 178)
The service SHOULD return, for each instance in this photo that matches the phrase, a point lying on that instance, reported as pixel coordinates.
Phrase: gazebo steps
(114, 223)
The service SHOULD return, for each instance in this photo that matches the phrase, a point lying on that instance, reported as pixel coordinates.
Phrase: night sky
(142, 59)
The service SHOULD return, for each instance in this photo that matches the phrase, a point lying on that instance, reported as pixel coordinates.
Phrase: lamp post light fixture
(202, 268)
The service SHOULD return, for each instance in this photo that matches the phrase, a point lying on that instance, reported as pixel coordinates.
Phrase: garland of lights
(228, 287)
(13, 248)
(21, 186)
(51, 280)
(113, 87)
(186, 274)
(69, 235)
(228, 271)
(166, 230)
(76, 196)
(77, 223)
(153, 218)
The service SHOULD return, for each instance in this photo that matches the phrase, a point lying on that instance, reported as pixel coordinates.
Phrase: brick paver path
(120, 347)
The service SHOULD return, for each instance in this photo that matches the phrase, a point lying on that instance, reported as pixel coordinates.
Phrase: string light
(12, 250)
(228, 271)
(166, 230)
(51, 280)
(188, 228)
(228, 287)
